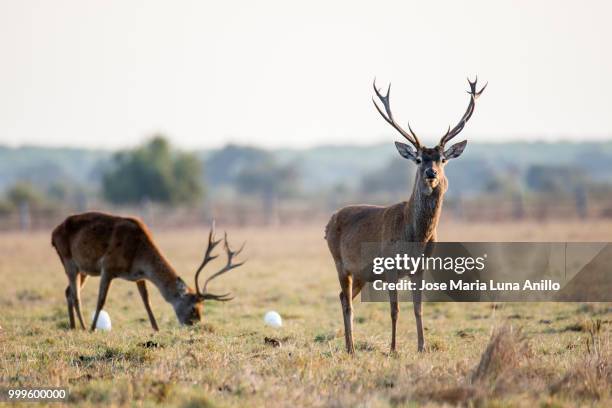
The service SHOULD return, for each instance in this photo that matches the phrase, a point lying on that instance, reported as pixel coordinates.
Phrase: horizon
(373, 143)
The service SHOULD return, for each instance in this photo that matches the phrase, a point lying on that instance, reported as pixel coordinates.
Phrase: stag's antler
(450, 133)
(409, 135)
(207, 258)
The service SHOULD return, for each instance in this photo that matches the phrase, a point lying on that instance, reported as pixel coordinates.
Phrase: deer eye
(444, 160)
(418, 160)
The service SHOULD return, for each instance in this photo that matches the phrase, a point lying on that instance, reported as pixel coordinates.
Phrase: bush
(153, 172)
(23, 192)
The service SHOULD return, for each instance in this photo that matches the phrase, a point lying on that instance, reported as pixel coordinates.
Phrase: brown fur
(414, 220)
(97, 244)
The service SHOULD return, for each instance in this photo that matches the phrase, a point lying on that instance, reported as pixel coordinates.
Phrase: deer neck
(159, 272)
(423, 210)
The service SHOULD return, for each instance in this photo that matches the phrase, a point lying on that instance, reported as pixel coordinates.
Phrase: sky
(108, 74)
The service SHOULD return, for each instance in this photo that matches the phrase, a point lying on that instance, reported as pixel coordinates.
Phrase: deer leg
(144, 294)
(357, 286)
(393, 303)
(418, 312)
(392, 277)
(346, 299)
(72, 275)
(77, 297)
(71, 303)
(75, 294)
(105, 281)
(83, 279)
(70, 307)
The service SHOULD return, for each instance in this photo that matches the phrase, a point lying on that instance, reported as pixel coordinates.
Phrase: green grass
(227, 362)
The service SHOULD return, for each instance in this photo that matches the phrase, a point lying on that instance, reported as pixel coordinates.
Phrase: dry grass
(553, 355)
(506, 350)
(591, 376)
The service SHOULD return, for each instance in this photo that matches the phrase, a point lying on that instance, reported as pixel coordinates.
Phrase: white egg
(273, 319)
(104, 321)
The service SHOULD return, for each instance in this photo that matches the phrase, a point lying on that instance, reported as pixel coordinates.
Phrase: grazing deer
(96, 244)
(414, 220)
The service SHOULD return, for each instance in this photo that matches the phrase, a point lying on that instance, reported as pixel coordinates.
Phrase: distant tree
(472, 175)
(43, 173)
(268, 179)
(58, 191)
(188, 185)
(6, 208)
(25, 198)
(271, 181)
(153, 172)
(225, 165)
(24, 193)
(501, 183)
(555, 178)
(396, 177)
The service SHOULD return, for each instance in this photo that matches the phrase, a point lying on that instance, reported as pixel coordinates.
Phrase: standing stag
(414, 220)
(96, 244)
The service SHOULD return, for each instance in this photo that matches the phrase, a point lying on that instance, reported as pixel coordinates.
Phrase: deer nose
(431, 173)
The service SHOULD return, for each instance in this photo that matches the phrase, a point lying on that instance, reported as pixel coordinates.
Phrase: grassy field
(477, 354)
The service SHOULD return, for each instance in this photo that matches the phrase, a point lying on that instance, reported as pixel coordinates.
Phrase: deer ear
(455, 150)
(406, 151)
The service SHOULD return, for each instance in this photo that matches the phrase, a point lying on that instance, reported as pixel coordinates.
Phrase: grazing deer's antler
(409, 135)
(207, 258)
(450, 133)
(128, 242)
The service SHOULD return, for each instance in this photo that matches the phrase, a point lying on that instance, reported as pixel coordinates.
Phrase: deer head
(430, 161)
(189, 308)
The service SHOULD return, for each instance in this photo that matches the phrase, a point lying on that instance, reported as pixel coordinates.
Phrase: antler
(207, 258)
(450, 133)
(409, 135)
